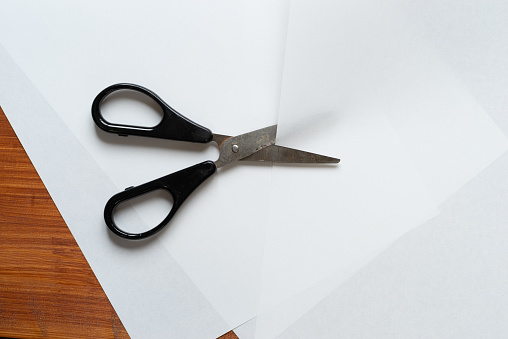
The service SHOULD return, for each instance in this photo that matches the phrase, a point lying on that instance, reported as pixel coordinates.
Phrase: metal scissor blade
(280, 154)
(241, 146)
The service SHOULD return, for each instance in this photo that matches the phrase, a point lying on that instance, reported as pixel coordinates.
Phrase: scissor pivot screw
(235, 148)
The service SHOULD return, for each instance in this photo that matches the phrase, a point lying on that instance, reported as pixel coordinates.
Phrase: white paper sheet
(344, 60)
(167, 304)
(218, 64)
(370, 52)
(335, 215)
(471, 39)
(276, 320)
(445, 278)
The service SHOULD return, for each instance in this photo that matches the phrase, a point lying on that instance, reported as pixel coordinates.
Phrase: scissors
(258, 145)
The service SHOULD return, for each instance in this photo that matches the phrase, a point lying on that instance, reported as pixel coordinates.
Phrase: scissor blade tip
(330, 160)
(325, 159)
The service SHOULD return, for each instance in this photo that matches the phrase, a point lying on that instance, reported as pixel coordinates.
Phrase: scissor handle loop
(173, 125)
(179, 184)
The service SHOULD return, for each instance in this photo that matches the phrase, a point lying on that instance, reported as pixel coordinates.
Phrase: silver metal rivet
(235, 148)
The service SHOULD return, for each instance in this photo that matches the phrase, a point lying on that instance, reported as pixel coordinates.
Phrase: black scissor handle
(173, 125)
(179, 184)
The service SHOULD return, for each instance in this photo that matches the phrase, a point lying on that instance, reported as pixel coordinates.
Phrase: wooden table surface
(47, 288)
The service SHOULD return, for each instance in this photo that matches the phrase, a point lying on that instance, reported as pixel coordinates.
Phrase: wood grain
(47, 288)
